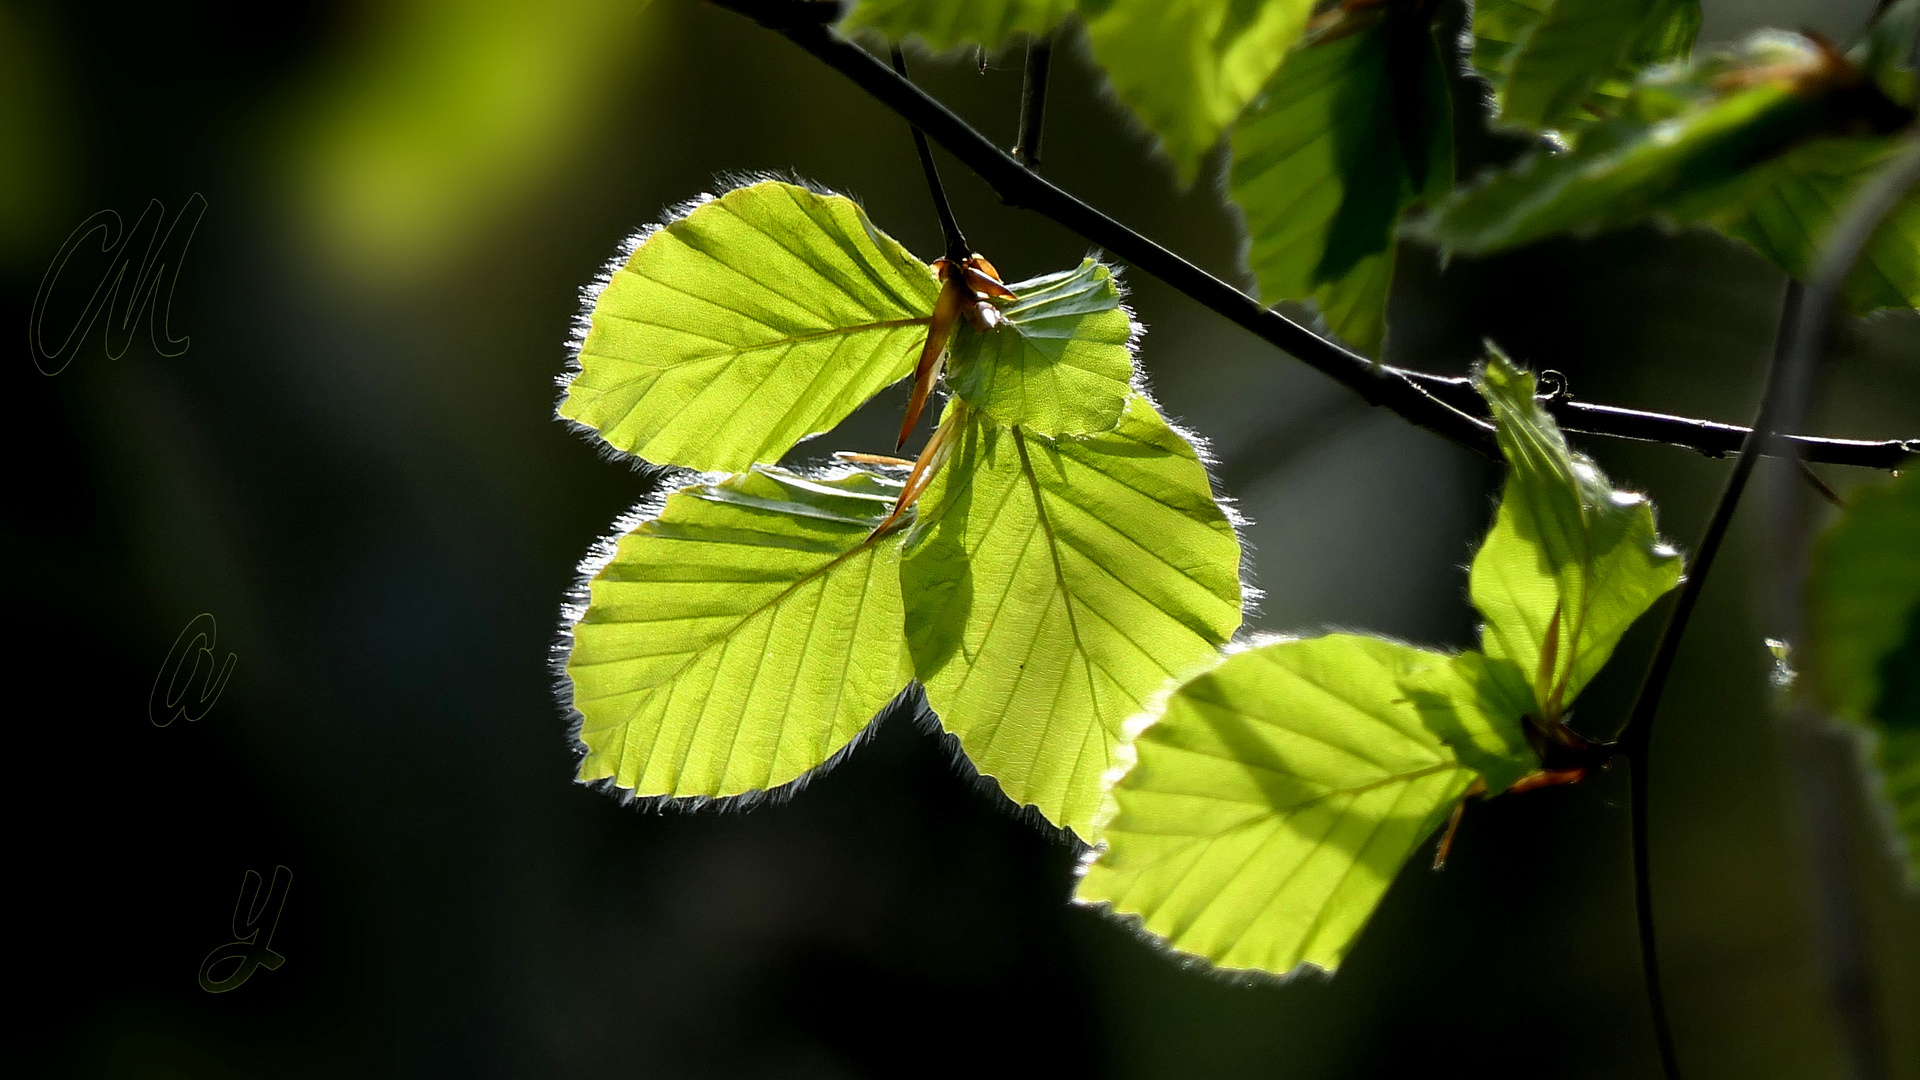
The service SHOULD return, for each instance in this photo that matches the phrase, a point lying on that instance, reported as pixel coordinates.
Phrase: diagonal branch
(1445, 405)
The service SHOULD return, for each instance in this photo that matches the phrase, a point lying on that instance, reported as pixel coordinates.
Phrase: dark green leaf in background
(1864, 625)
(949, 24)
(1765, 143)
(1353, 129)
(1554, 63)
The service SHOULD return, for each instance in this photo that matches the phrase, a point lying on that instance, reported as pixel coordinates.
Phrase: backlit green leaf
(1187, 67)
(1061, 364)
(1270, 805)
(1549, 60)
(1353, 129)
(746, 324)
(948, 24)
(740, 637)
(1570, 560)
(1053, 586)
(1474, 704)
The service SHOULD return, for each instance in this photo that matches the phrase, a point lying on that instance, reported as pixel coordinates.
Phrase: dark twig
(1442, 404)
(1033, 100)
(957, 249)
(1813, 481)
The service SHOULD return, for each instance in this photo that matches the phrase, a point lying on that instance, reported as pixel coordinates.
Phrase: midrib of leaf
(1060, 581)
(723, 642)
(1544, 461)
(1275, 815)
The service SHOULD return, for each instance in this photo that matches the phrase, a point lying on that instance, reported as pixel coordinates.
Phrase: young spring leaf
(746, 324)
(1474, 703)
(1354, 128)
(1271, 803)
(740, 637)
(1570, 562)
(1062, 361)
(1764, 143)
(1864, 624)
(1551, 62)
(1187, 67)
(1052, 586)
(949, 24)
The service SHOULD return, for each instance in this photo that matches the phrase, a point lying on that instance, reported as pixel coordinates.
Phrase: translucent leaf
(949, 24)
(1053, 586)
(1474, 704)
(1273, 801)
(1187, 67)
(746, 324)
(1352, 130)
(1570, 562)
(1549, 60)
(740, 637)
(1061, 364)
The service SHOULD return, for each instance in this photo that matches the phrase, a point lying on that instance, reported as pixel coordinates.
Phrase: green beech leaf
(1864, 629)
(1571, 561)
(1271, 803)
(1783, 209)
(740, 637)
(746, 324)
(1888, 53)
(1747, 142)
(1053, 586)
(1864, 589)
(948, 24)
(1352, 130)
(1474, 703)
(1549, 60)
(1187, 67)
(1061, 364)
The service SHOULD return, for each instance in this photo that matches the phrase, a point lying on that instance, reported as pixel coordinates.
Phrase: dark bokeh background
(354, 468)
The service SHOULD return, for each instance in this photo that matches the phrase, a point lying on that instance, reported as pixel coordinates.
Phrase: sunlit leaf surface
(1187, 67)
(1053, 586)
(741, 637)
(749, 323)
(1570, 562)
(1061, 364)
(1273, 802)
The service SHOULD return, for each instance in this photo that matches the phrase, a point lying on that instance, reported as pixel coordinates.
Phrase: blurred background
(353, 466)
